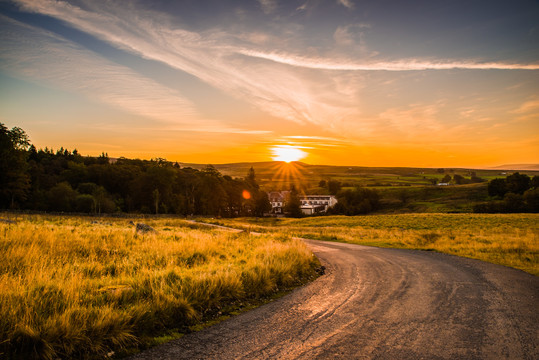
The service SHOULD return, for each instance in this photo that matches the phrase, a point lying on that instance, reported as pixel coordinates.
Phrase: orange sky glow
(335, 83)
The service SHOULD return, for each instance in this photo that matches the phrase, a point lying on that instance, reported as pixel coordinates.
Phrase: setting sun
(287, 153)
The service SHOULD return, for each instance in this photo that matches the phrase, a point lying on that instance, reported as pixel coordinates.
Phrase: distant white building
(310, 204)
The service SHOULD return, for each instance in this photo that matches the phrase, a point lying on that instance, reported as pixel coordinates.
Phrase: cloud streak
(402, 65)
(212, 57)
(58, 63)
(346, 3)
(313, 89)
(50, 59)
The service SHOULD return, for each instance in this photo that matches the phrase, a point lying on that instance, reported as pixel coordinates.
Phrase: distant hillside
(277, 175)
(532, 167)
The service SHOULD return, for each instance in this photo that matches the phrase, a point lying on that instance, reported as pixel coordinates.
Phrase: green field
(270, 174)
(505, 239)
(78, 287)
(401, 190)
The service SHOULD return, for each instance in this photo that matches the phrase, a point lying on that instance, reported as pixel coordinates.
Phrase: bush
(514, 203)
(62, 197)
(497, 187)
(532, 199)
(356, 202)
(85, 203)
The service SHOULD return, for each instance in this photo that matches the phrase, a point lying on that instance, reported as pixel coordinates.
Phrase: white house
(310, 204)
(277, 200)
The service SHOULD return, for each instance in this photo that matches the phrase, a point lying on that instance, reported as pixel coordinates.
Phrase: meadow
(505, 239)
(87, 287)
(276, 175)
(83, 287)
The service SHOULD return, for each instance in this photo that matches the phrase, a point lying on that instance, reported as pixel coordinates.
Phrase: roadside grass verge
(505, 239)
(76, 287)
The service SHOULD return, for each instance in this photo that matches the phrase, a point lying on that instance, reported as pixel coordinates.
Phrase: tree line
(516, 193)
(65, 181)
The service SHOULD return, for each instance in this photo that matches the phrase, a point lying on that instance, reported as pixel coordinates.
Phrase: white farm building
(310, 204)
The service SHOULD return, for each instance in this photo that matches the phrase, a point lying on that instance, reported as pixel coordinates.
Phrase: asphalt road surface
(377, 303)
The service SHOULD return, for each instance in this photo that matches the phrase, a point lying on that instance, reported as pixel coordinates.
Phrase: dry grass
(506, 239)
(70, 288)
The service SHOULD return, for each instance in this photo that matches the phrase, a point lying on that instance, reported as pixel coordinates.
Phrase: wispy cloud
(41, 56)
(346, 3)
(268, 6)
(50, 59)
(413, 121)
(302, 7)
(218, 128)
(210, 57)
(310, 89)
(401, 65)
(314, 138)
(528, 106)
(311, 142)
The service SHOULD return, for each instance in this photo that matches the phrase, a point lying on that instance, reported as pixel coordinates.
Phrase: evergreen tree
(262, 204)
(14, 179)
(251, 179)
(293, 205)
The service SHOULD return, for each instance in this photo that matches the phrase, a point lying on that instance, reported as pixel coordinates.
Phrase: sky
(336, 82)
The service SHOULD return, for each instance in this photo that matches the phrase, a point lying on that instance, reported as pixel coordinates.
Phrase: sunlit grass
(70, 288)
(506, 239)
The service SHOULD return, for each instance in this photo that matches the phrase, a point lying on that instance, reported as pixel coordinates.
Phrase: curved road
(378, 303)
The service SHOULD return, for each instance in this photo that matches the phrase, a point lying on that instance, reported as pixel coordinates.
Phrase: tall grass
(70, 288)
(506, 239)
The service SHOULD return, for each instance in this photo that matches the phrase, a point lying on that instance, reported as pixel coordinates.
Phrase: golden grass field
(505, 239)
(82, 287)
(77, 287)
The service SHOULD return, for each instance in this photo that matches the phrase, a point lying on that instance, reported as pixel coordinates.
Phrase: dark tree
(293, 205)
(517, 183)
(62, 197)
(14, 179)
(404, 196)
(497, 187)
(531, 197)
(446, 178)
(210, 196)
(459, 179)
(356, 202)
(251, 178)
(534, 183)
(322, 183)
(262, 204)
(334, 186)
(475, 179)
(85, 203)
(514, 203)
(155, 195)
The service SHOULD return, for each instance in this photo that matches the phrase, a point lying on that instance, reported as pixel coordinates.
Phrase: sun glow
(287, 153)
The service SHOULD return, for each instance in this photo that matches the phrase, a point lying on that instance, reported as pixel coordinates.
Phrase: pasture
(81, 287)
(505, 239)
